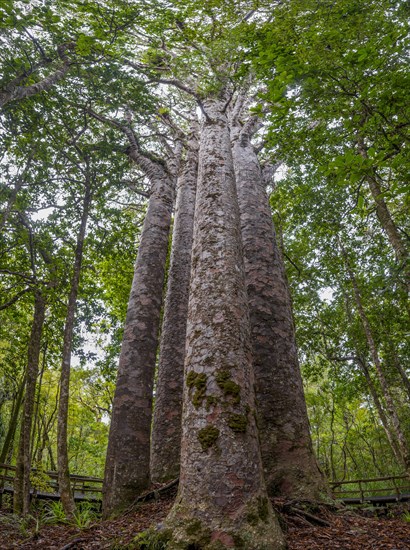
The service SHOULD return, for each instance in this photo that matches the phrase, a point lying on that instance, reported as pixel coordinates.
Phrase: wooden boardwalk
(85, 488)
(377, 491)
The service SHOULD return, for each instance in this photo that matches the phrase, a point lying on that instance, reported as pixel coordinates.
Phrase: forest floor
(317, 529)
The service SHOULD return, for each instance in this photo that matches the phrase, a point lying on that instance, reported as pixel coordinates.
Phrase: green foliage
(338, 120)
(335, 84)
(54, 513)
(40, 481)
(85, 514)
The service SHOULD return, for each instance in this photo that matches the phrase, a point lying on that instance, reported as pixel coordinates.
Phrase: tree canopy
(93, 94)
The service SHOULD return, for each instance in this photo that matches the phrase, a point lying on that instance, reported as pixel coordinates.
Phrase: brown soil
(306, 528)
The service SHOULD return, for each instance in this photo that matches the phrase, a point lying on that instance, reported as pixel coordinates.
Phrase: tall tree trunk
(128, 453)
(361, 361)
(64, 486)
(222, 500)
(21, 501)
(385, 217)
(388, 398)
(398, 366)
(166, 431)
(36, 429)
(8, 441)
(386, 220)
(380, 411)
(289, 463)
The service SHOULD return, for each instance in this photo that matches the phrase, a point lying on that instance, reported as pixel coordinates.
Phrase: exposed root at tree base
(306, 526)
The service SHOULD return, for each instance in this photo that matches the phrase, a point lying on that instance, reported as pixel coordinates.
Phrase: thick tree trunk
(222, 500)
(166, 431)
(128, 453)
(64, 486)
(22, 481)
(289, 463)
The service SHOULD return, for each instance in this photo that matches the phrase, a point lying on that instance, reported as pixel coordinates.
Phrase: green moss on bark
(258, 511)
(199, 536)
(197, 381)
(150, 540)
(238, 422)
(222, 376)
(211, 401)
(228, 386)
(208, 437)
(263, 508)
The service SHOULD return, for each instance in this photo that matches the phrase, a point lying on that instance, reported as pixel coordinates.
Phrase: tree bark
(222, 500)
(289, 463)
(128, 453)
(166, 431)
(21, 501)
(64, 486)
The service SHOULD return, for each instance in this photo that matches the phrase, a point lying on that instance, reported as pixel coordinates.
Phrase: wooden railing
(84, 487)
(377, 489)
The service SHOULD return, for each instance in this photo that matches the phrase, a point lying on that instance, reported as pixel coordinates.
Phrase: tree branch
(14, 299)
(145, 161)
(22, 92)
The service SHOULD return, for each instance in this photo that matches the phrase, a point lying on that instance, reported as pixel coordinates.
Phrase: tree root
(156, 493)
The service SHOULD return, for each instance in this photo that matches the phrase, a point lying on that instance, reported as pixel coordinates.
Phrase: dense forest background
(330, 85)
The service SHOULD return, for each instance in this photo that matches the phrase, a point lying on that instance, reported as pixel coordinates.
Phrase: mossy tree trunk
(289, 463)
(166, 431)
(222, 500)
